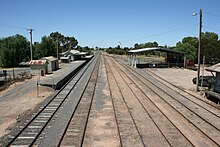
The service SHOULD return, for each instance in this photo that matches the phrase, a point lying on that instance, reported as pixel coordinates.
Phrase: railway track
(111, 104)
(207, 104)
(196, 123)
(141, 111)
(75, 130)
(55, 115)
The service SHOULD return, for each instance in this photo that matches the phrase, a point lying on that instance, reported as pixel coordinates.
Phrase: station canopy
(155, 49)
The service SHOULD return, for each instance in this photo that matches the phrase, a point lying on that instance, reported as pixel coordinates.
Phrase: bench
(213, 94)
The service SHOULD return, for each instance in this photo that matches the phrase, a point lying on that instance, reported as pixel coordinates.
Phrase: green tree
(191, 40)
(145, 45)
(65, 42)
(47, 47)
(190, 50)
(189, 45)
(210, 47)
(13, 50)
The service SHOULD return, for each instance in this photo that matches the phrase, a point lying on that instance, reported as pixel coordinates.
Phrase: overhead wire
(162, 33)
(16, 27)
(212, 14)
(12, 26)
(211, 28)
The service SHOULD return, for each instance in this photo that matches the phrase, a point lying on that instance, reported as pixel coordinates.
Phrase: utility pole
(57, 48)
(30, 31)
(200, 33)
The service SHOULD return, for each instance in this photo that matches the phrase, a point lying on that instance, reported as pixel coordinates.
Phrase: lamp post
(200, 33)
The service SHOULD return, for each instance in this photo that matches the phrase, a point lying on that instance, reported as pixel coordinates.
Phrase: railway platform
(61, 76)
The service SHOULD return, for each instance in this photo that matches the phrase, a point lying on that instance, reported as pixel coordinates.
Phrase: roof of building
(81, 53)
(65, 58)
(155, 48)
(73, 52)
(214, 68)
(50, 58)
(38, 62)
(25, 63)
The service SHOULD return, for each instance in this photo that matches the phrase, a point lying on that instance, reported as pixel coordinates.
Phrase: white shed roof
(143, 50)
(155, 48)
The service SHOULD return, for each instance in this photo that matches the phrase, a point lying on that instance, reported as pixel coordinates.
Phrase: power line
(212, 14)
(163, 33)
(12, 26)
(211, 28)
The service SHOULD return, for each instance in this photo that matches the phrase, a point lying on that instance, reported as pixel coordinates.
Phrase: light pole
(200, 33)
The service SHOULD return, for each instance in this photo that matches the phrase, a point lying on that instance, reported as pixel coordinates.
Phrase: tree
(65, 42)
(13, 50)
(188, 45)
(191, 40)
(145, 45)
(190, 50)
(210, 47)
(47, 47)
(136, 46)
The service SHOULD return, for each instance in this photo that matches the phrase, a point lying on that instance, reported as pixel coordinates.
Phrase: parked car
(208, 81)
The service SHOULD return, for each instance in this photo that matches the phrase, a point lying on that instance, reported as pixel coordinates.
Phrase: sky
(105, 23)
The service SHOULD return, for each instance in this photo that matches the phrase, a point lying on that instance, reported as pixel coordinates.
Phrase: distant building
(65, 59)
(53, 63)
(71, 55)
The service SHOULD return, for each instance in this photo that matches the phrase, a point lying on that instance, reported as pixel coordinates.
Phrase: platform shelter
(172, 58)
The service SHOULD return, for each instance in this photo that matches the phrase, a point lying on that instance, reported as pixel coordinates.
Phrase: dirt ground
(12, 108)
(179, 76)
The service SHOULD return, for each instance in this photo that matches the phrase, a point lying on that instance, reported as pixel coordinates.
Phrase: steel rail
(69, 123)
(54, 97)
(127, 108)
(132, 71)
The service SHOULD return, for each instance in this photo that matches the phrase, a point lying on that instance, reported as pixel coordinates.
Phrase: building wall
(49, 67)
(35, 69)
(217, 82)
